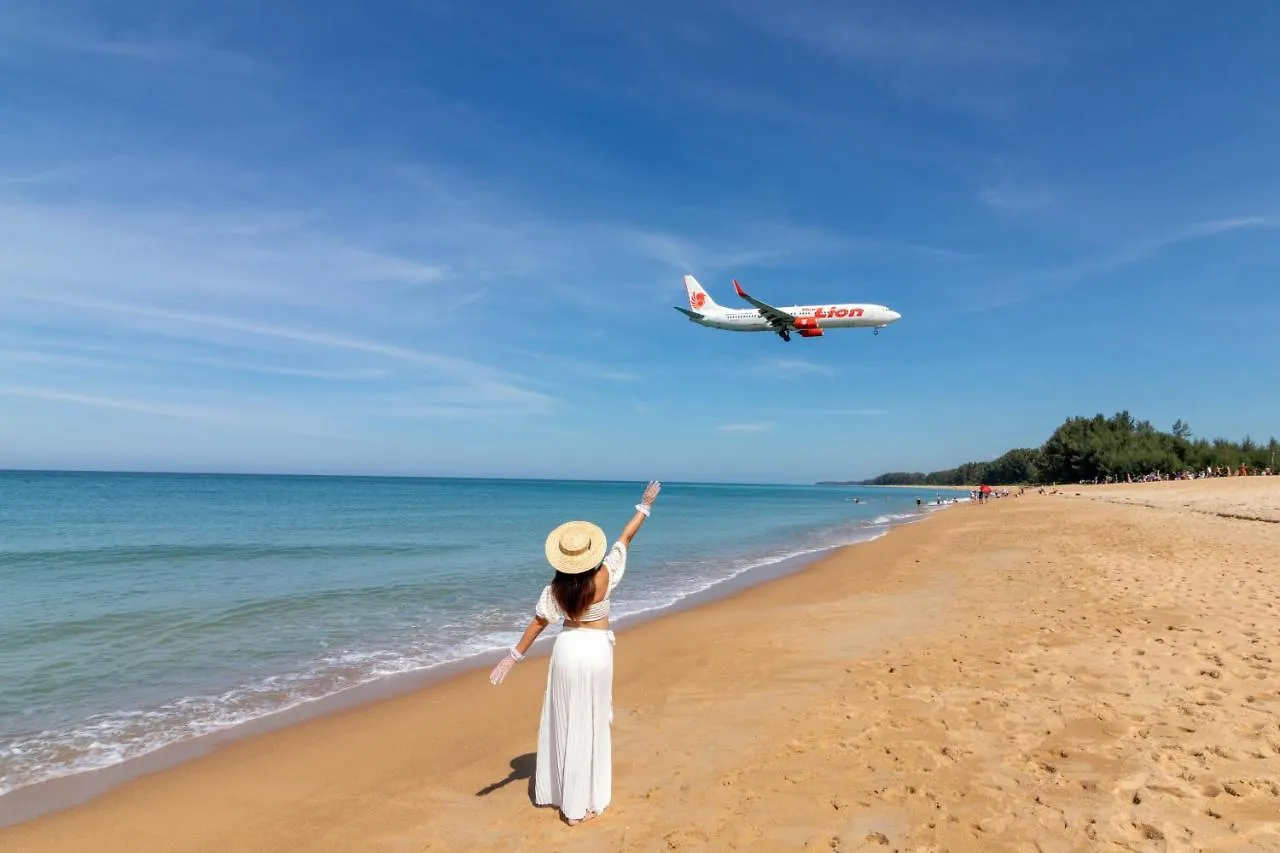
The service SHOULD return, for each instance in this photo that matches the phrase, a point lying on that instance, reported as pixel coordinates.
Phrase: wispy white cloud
(1008, 198)
(614, 375)
(135, 356)
(852, 413)
(463, 382)
(752, 244)
(37, 357)
(593, 262)
(115, 403)
(374, 281)
(266, 422)
(894, 39)
(41, 30)
(228, 282)
(1222, 226)
(795, 367)
(160, 51)
(555, 367)
(955, 60)
(37, 177)
(131, 249)
(276, 370)
(1144, 250)
(251, 327)
(427, 412)
(1011, 288)
(474, 401)
(461, 244)
(753, 426)
(965, 59)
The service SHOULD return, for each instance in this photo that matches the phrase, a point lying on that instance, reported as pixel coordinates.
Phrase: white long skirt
(575, 746)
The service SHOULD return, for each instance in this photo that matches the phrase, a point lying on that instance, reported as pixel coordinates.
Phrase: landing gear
(876, 330)
(785, 335)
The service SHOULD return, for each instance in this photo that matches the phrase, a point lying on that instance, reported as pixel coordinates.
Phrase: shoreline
(924, 487)
(35, 800)
(1047, 672)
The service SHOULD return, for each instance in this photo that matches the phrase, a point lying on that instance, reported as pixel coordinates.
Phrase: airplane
(808, 321)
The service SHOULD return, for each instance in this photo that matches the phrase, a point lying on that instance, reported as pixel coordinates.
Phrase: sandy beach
(1249, 498)
(1094, 670)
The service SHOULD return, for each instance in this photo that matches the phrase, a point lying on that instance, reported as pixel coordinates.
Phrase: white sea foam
(109, 739)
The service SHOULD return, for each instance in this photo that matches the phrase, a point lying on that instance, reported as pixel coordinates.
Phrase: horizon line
(478, 477)
(318, 475)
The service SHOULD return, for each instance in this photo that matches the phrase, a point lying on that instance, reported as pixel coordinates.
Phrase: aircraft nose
(893, 316)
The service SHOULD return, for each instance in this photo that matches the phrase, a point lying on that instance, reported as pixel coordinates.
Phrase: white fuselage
(837, 316)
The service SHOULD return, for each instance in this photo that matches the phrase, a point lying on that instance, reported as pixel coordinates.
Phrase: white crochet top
(616, 562)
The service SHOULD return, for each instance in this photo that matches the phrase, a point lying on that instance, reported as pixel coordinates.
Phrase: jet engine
(810, 333)
(805, 323)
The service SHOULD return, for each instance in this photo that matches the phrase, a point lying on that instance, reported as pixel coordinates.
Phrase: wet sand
(1058, 672)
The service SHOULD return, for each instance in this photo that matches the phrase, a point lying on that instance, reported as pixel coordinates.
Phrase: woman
(574, 767)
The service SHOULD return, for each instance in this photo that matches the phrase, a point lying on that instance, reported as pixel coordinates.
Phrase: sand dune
(1044, 673)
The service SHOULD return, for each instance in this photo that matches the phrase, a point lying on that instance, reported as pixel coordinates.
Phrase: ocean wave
(160, 553)
(39, 755)
(169, 625)
(108, 739)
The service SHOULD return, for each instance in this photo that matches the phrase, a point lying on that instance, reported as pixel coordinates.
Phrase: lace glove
(650, 495)
(504, 666)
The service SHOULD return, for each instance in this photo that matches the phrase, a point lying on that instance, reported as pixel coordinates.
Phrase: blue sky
(425, 237)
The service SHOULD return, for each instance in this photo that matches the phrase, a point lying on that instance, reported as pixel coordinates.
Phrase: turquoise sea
(139, 610)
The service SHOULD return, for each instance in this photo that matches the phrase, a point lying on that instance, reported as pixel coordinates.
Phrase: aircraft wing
(777, 318)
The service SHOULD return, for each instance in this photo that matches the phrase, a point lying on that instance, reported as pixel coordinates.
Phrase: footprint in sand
(1256, 787)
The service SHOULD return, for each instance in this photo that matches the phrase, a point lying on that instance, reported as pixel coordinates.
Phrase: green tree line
(1096, 448)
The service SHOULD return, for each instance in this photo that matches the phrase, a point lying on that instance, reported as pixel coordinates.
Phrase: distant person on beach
(575, 749)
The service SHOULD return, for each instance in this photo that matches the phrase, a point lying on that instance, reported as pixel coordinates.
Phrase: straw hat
(575, 547)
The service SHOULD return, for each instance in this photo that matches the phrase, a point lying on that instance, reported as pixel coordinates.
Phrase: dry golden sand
(1239, 497)
(1052, 673)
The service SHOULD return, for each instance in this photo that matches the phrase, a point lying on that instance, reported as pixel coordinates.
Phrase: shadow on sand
(522, 767)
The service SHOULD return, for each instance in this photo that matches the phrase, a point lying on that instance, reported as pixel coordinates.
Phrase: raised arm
(642, 512)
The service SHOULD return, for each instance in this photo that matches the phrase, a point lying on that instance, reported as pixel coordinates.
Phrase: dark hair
(574, 592)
